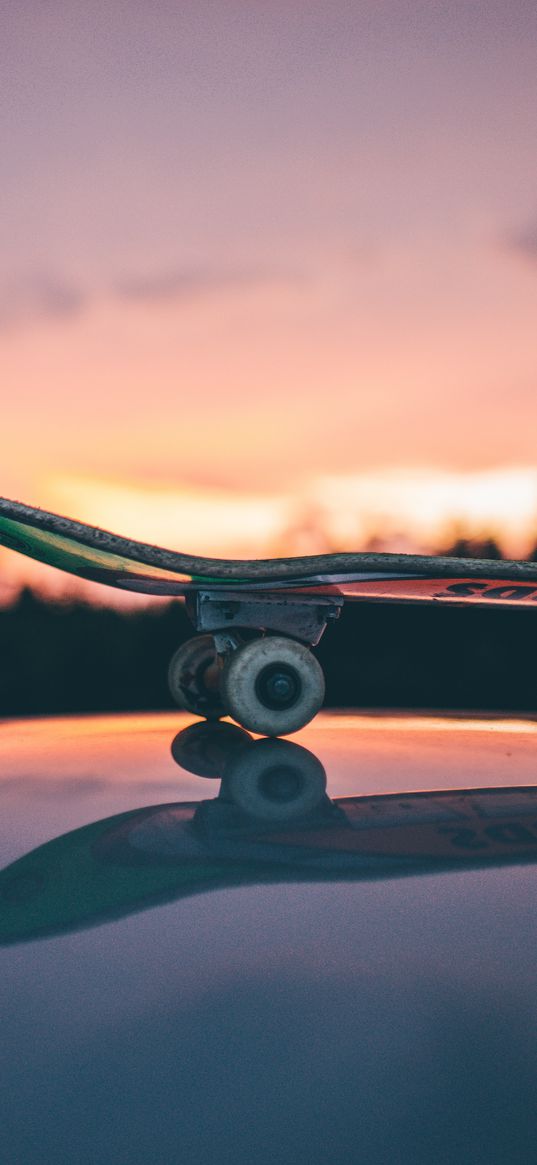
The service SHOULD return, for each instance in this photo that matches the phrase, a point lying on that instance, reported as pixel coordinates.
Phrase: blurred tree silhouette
(473, 548)
(72, 657)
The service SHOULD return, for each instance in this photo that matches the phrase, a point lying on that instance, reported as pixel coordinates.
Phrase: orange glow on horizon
(335, 512)
(418, 510)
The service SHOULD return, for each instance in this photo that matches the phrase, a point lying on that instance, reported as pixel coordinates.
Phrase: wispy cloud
(188, 283)
(36, 298)
(524, 242)
(31, 299)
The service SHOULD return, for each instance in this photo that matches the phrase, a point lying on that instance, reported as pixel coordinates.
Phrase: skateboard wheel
(275, 780)
(193, 678)
(272, 685)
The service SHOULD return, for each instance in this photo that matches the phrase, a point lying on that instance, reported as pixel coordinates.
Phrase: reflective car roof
(220, 949)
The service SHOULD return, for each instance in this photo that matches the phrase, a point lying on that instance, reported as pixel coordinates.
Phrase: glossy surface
(306, 1014)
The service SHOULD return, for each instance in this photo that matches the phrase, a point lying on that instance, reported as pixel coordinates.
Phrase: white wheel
(272, 686)
(275, 780)
(194, 678)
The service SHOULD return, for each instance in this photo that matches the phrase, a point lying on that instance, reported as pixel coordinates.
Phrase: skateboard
(258, 619)
(272, 822)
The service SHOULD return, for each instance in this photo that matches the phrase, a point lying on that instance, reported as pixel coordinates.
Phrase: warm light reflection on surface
(136, 748)
(430, 723)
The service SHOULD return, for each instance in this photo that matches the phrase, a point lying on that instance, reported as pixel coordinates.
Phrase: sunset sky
(269, 269)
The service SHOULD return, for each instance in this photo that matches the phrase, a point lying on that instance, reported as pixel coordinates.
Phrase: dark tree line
(480, 548)
(57, 658)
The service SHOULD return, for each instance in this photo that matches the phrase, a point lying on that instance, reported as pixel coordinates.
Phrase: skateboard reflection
(271, 822)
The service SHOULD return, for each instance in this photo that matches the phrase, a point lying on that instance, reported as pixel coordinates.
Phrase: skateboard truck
(304, 617)
(270, 683)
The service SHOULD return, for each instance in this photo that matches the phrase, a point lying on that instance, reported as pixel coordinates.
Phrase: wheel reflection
(268, 779)
(204, 748)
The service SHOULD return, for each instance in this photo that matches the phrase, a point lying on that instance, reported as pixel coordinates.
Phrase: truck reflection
(272, 821)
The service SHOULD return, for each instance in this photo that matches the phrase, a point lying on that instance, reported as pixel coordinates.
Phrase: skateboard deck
(91, 553)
